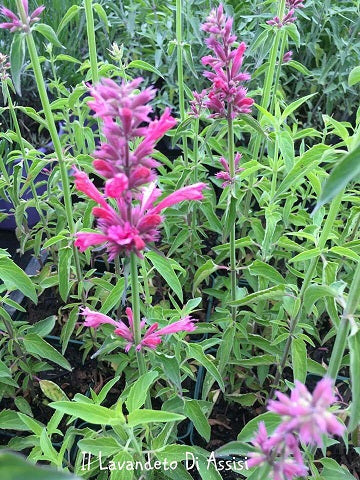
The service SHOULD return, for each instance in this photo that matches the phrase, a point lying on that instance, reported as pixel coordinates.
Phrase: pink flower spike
(35, 14)
(95, 319)
(85, 240)
(191, 192)
(185, 324)
(287, 57)
(307, 413)
(115, 187)
(83, 184)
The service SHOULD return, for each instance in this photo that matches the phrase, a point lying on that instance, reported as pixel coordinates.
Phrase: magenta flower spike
(287, 57)
(152, 336)
(307, 413)
(227, 96)
(281, 452)
(295, 4)
(127, 216)
(127, 230)
(15, 22)
(287, 20)
(225, 174)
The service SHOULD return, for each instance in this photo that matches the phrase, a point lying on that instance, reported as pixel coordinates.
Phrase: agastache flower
(287, 57)
(295, 4)
(287, 20)
(15, 22)
(308, 413)
(281, 452)
(225, 174)
(152, 336)
(127, 230)
(227, 97)
(304, 417)
(122, 112)
(131, 220)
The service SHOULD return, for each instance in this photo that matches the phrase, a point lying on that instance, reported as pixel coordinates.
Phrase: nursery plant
(180, 262)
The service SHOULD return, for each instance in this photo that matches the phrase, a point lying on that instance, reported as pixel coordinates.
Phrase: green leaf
(99, 9)
(138, 391)
(193, 411)
(11, 420)
(69, 15)
(272, 293)
(17, 57)
(345, 252)
(203, 272)
(262, 269)
(88, 412)
(307, 255)
(295, 105)
(305, 164)
(37, 346)
(286, 145)
(140, 64)
(196, 352)
(270, 419)
(354, 346)
(333, 471)
(65, 256)
(164, 267)
(48, 33)
(15, 278)
(52, 391)
(299, 359)
(346, 170)
(15, 467)
(354, 76)
(44, 327)
(106, 445)
(249, 120)
(316, 292)
(141, 417)
(114, 296)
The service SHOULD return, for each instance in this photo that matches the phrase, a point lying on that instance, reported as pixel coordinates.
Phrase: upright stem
(265, 100)
(22, 148)
(232, 207)
(135, 301)
(333, 212)
(53, 133)
(278, 70)
(180, 72)
(91, 40)
(343, 330)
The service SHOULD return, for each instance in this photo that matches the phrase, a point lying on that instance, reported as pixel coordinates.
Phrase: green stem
(278, 70)
(22, 148)
(54, 136)
(265, 100)
(135, 301)
(196, 167)
(232, 206)
(333, 212)
(91, 40)
(343, 330)
(180, 73)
